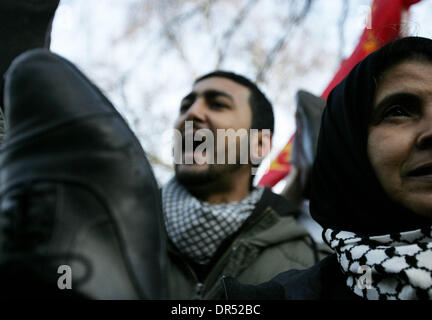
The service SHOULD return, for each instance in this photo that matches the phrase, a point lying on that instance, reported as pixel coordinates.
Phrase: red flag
(383, 25)
(279, 167)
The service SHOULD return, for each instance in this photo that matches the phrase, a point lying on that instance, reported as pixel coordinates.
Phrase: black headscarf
(345, 193)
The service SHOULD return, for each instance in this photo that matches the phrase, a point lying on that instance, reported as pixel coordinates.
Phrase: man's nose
(197, 111)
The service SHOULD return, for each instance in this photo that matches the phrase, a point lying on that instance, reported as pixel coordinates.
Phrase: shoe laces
(27, 217)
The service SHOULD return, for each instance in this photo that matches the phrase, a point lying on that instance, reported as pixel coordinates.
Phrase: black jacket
(323, 281)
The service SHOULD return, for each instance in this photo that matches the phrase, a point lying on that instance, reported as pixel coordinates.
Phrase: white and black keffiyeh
(198, 228)
(399, 265)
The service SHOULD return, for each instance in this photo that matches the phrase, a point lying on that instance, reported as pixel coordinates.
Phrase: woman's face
(400, 135)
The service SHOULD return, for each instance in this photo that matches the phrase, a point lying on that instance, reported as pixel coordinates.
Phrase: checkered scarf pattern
(197, 228)
(399, 265)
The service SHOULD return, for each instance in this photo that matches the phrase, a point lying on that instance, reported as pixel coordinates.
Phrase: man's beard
(210, 175)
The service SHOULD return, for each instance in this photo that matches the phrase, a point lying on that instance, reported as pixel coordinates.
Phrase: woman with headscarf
(371, 185)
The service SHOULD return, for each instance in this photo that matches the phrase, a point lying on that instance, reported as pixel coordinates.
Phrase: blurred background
(145, 54)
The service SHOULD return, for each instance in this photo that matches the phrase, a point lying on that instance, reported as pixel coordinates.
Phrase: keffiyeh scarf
(198, 228)
(389, 267)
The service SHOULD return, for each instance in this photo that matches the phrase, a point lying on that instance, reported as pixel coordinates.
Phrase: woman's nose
(424, 139)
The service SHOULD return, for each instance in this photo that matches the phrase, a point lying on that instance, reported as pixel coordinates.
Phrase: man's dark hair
(262, 110)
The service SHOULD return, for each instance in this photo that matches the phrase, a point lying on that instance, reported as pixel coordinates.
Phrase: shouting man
(217, 222)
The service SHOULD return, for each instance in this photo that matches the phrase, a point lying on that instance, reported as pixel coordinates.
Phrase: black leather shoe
(79, 200)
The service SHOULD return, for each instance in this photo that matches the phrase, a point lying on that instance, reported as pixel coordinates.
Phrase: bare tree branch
(291, 20)
(227, 36)
(171, 26)
(183, 17)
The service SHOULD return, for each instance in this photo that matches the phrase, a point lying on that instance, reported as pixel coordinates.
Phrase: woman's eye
(396, 111)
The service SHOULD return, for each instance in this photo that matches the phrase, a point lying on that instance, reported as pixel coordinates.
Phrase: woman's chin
(420, 204)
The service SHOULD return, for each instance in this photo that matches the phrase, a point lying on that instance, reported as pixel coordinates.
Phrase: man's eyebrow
(191, 95)
(208, 94)
(212, 93)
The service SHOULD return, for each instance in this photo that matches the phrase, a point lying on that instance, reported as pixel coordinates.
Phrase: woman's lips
(424, 170)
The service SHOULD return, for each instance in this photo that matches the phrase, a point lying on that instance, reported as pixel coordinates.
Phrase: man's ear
(260, 145)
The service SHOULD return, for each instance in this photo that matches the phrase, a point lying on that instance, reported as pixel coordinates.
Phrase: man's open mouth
(190, 142)
(191, 153)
